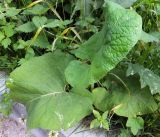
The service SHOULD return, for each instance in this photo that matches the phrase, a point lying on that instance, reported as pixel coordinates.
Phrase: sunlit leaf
(108, 47)
(40, 85)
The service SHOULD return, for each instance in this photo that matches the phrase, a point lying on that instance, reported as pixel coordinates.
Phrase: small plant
(100, 120)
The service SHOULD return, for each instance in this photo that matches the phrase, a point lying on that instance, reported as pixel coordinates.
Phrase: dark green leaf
(36, 10)
(42, 41)
(125, 133)
(127, 100)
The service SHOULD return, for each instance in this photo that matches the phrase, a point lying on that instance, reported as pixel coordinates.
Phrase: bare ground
(11, 128)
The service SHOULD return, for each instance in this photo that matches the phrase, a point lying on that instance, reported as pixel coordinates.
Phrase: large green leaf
(40, 85)
(125, 97)
(147, 77)
(121, 31)
(124, 3)
(78, 77)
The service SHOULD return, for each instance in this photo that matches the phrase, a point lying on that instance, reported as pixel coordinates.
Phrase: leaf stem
(118, 78)
(35, 36)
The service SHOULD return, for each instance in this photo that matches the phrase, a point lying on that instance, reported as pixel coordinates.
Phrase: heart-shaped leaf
(40, 85)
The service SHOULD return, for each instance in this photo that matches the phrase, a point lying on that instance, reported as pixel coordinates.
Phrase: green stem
(117, 77)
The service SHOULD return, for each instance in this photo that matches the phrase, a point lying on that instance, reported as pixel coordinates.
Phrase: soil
(11, 128)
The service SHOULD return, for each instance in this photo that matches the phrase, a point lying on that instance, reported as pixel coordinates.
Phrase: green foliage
(5, 104)
(82, 73)
(27, 27)
(103, 49)
(124, 133)
(125, 97)
(38, 9)
(135, 124)
(62, 87)
(39, 21)
(124, 3)
(48, 105)
(147, 77)
(31, 24)
(47, 94)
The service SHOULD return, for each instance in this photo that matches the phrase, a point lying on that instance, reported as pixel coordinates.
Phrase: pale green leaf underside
(121, 31)
(148, 37)
(135, 124)
(147, 77)
(126, 103)
(124, 3)
(156, 34)
(40, 85)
